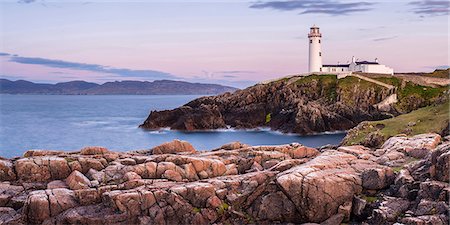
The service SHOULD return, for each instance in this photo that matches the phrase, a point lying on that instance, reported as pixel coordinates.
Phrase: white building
(315, 59)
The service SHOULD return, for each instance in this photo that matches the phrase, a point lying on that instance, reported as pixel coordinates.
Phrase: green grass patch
(369, 199)
(196, 210)
(325, 79)
(222, 208)
(439, 73)
(68, 160)
(410, 93)
(397, 169)
(390, 80)
(327, 84)
(425, 92)
(430, 119)
(268, 117)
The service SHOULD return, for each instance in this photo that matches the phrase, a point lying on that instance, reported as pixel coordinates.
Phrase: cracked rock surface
(235, 184)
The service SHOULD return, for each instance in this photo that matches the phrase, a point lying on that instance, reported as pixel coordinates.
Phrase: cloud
(230, 76)
(235, 71)
(26, 1)
(384, 38)
(329, 7)
(438, 67)
(146, 74)
(431, 7)
(4, 54)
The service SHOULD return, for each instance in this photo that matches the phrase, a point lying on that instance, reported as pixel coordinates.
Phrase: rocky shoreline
(301, 105)
(405, 181)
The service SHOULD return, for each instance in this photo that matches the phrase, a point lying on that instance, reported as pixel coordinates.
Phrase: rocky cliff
(300, 105)
(405, 181)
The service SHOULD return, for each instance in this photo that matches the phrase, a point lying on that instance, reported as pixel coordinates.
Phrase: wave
(257, 129)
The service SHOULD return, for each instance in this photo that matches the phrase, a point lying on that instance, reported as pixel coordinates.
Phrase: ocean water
(65, 122)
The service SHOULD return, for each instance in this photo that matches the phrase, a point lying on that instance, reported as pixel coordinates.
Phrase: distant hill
(438, 73)
(159, 87)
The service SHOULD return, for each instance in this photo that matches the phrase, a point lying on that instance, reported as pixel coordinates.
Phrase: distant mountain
(159, 87)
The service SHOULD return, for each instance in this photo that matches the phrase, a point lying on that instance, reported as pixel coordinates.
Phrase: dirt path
(388, 86)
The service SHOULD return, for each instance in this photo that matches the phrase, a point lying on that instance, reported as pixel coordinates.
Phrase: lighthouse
(315, 50)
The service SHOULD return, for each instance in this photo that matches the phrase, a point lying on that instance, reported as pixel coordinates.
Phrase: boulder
(389, 210)
(232, 146)
(77, 180)
(440, 163)
(173, 147)
(274, 206)
(37, 207)
(8, 192)
(10, 216)
(42, 205)
(377, 178)
(41, 169)
(88, 162)
(88, 196)
(38, 152)
(6, 170)
(94, 150)
(417, 146)
(434, 190)
(57, 184)
(172, 175)
(425, 220)
(129, 176)
(319, 187)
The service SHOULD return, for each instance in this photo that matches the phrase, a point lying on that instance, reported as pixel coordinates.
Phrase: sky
(231, 42)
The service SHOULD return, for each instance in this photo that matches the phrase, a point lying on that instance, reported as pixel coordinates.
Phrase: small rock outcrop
(235, 184)
(175, 146)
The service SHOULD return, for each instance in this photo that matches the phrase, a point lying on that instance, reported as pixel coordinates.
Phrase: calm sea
(64, 122)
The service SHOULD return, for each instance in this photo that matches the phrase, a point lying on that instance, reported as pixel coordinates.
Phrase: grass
(222, 208)
(423, 91)
(196, 210)
(430, 119)
(439, 73)
(268, 117)
(425, 95)
(369, 199)
(390, 80)
(68, 160)
(397, 169)
(327, 83)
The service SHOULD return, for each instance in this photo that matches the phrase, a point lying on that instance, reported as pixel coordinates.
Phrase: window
(319, 41)
(310, 41)
(342, 69)
(320, 53)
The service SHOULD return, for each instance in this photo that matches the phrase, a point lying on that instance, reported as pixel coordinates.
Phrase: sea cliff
(303, 105)
(404, 181)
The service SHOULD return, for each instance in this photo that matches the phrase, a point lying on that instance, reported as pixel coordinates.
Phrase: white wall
(315, 58)
(371, 68)
(335, 69)
(378, 69)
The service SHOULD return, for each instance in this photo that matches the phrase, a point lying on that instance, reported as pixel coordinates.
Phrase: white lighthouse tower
(315, 50)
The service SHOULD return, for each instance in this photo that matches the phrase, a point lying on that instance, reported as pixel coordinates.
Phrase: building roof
(337, 65)
(366, 62)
